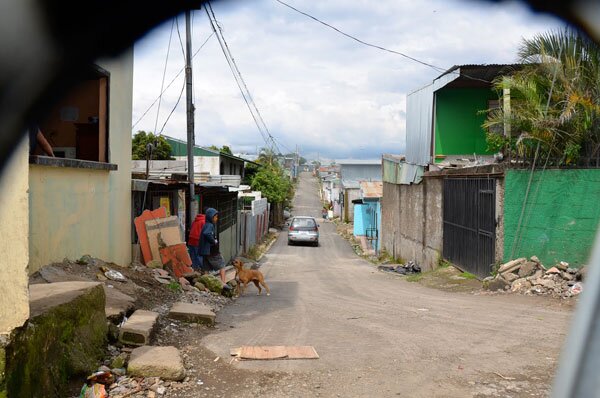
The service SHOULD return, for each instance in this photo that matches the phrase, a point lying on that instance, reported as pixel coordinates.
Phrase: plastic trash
(115, 276)
(576, 288)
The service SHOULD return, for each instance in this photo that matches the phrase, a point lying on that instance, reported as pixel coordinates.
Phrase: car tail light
(291, 227)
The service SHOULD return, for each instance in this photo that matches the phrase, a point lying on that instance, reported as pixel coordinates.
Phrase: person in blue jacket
(208, 248)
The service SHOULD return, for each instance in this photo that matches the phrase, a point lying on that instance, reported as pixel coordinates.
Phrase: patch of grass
(174, 286)
(414, 277)
(467, 275)
(444, 263)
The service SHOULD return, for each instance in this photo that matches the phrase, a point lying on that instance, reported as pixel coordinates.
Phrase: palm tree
(555, 98)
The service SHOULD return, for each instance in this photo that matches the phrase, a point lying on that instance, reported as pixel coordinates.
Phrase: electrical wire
(175, 107)
(162, 85)
(170, 83)
(246, 95)
(436, 68)
(180, 40)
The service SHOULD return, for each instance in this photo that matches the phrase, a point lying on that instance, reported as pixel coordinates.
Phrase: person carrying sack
(193, 242)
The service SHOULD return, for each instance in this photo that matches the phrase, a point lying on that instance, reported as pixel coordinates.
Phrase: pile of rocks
(530, 277)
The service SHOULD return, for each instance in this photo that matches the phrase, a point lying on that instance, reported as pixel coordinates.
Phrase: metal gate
(470, 223)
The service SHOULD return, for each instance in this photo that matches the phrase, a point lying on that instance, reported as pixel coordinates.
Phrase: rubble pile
(530, 277)
(403, 269)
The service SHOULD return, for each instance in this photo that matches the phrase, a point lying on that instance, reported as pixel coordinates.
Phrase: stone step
(138, 329)
(163, 362)
(118, 304)
(199, 313)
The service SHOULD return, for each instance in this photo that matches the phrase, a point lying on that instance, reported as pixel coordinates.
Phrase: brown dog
(246, 276)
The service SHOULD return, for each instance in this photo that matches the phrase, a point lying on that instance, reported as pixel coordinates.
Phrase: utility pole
(190, 121)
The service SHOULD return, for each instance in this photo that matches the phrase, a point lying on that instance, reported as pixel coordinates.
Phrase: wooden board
(274, 352)
(140, 228)
(177, 260)
(169, 231)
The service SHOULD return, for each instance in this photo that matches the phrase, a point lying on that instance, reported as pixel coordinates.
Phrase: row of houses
(450, 198)
(84, 200)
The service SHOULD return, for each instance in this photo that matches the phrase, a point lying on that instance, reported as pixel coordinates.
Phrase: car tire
(316, 244)
(289, 243)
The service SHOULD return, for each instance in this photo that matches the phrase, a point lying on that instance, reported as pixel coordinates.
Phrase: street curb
(268, 247)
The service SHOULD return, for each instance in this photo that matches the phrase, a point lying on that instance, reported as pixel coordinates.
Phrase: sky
(316, 89)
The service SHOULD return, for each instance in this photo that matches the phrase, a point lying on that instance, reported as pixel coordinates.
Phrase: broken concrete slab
(498, 283)
(199, 313)
(138, 329)
(117, 304)
(65, 336)
(163, 362)
(510, 277)
(520, 285)
(553, 270)
(528, 268)
(511, 265)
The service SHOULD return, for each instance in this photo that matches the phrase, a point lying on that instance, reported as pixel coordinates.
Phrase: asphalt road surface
(378, 335)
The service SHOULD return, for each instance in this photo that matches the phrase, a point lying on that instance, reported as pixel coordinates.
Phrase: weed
(174, 286)
(467, 275)
(414, 277)
(444, 263)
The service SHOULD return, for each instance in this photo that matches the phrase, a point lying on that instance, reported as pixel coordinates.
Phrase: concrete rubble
(530, 277)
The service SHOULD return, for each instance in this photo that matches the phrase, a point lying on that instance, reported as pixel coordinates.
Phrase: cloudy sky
(314, 87)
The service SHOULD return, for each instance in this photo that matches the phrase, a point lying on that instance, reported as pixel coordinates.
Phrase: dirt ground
(377, 333)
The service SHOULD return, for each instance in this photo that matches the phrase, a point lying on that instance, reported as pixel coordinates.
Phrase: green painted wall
(560, 219)
(179, 148)
(458, 128)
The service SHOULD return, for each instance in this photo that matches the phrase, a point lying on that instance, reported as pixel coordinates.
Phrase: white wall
(14, 246)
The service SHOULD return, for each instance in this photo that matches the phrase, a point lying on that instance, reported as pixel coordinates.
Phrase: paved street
(379, 335)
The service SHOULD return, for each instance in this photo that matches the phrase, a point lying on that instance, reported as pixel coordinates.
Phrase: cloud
(316, 88)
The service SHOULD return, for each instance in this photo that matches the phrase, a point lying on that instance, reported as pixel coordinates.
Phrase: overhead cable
(437, 68)
(162, 85)
(170, 83)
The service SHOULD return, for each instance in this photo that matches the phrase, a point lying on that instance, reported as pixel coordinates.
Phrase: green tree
(273, 184)
(224, 149)
(161, 151)
(555, 99)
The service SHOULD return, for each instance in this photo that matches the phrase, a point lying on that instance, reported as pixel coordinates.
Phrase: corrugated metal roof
(358, 161)
(350, 184)
(371, 189)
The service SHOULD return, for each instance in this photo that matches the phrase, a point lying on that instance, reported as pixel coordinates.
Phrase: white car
(303, 229)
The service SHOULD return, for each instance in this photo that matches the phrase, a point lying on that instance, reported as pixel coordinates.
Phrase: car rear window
(303, 223)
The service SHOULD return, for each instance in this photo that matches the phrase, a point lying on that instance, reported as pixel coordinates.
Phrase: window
(77, 126)
(303, 223)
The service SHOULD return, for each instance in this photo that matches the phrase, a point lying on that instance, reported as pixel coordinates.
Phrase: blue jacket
(208, 236)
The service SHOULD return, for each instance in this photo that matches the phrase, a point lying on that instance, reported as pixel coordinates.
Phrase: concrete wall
(350, 194)
(208, 164)
(14, 248)
(560, 217)
(228, 243)
(75, 211)
(412, 223)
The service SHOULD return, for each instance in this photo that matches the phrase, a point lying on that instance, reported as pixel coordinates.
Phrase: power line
(162, 85)
(437, 68)
(171, 83)
(180, 40)
(173, 110)
(246, 95)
